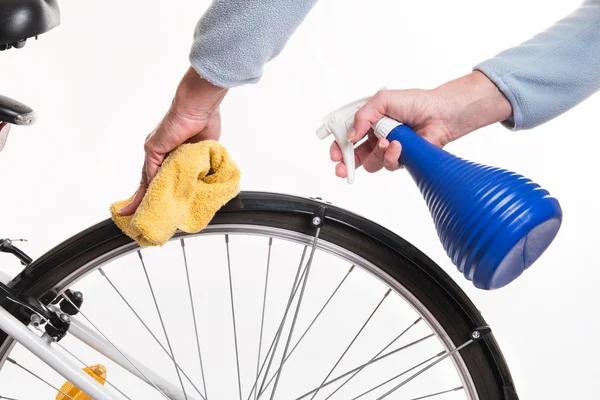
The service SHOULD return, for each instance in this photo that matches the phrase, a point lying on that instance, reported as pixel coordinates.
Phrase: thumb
(151, 166)
(154, 160)
(368, 114)
(130, 208)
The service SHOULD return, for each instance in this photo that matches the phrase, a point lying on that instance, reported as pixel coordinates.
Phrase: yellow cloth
(193, 183)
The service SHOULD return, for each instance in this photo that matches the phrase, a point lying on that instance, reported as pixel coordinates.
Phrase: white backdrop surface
(103, 79)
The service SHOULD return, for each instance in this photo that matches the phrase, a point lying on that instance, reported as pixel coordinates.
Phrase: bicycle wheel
(283, 303)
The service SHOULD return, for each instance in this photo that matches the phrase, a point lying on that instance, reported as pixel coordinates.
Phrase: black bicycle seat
(15, 112)
(24, 19)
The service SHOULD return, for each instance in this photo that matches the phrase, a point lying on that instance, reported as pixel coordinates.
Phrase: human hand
(441, 116)
(193, 116)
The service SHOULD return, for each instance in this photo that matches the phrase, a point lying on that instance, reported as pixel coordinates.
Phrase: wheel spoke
(398, 350)
(162, 323)
(187, 275)
(103, 273)
(410, 378)
(273, 350)
(353, 340)
(92, 371)
(262, 317)
(237, 355)
(375, 356)
(310, 325)
(438, 393)
(300, 297)
(10, 360)
(400, 375)
(298, 277)
(115, 347)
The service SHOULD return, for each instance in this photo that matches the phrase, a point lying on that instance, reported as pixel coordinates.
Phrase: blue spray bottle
(492, 223)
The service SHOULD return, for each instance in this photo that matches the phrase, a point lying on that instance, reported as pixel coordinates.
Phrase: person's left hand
(440, 116)
(423, 110)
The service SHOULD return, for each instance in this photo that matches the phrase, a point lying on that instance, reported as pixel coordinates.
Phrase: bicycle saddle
(14, 112)
(23, 19)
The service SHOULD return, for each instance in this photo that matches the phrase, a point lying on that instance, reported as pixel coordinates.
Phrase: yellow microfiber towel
(193, 183)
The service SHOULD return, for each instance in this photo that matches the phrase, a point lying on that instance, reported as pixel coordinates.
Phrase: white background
(103, 79)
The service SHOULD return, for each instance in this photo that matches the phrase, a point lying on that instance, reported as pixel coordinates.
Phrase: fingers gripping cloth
(193, 183)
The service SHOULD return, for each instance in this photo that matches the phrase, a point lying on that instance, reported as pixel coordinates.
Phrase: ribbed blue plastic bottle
(493, 223)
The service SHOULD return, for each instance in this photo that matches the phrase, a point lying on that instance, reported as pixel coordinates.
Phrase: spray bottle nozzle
(341, 121)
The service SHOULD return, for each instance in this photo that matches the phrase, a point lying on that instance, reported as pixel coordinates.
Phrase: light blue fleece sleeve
(553, 71)
(542, 77)
(234, 39)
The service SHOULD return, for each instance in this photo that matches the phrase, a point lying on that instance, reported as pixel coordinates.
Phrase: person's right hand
(193, 116)
(441, 116)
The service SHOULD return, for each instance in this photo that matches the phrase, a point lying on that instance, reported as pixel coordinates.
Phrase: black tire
(416, 272)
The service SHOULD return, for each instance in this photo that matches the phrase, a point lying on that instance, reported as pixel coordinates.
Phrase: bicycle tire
(424, 279)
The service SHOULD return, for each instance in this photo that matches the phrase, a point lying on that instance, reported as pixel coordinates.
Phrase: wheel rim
(323, 246)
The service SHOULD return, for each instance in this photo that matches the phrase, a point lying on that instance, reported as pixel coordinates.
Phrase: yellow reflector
(98, 372)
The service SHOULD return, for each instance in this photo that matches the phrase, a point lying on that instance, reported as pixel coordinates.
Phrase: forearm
(553, 71)
(471, 102)
(235, 38)
(196, 97)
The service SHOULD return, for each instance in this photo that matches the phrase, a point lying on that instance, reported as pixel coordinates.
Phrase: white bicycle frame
(42, 348)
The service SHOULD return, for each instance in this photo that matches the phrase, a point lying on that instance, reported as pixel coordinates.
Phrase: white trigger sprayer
(341, 121)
